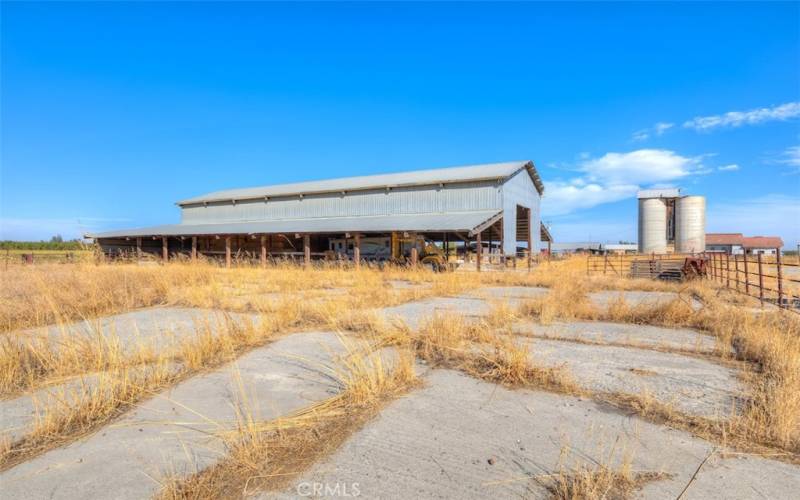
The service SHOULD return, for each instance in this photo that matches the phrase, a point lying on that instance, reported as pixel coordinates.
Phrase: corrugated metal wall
(519, 190)
(408, 200)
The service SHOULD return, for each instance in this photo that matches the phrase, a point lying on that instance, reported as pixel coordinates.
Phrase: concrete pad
(414, 313)
(438, 441)
(174, 430)
(692, 385)
(17, 414)
(511, 292)
(637, 298)
(621, 333)
(154, 326)
(408, 285)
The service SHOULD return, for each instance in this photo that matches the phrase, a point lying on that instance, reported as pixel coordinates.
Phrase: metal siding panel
(450, 198)
(520, 190)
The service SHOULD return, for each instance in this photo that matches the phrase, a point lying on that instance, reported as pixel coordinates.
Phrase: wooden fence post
(746, 276)
(138, 249)
(194, 248)
(760, 281)
(728, 270)
(228, 251)
(164, 249)
(307, 250)
(780, 277)
(736, 272)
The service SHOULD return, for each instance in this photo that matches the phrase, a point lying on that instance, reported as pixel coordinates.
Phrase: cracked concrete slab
(414, 313)
(154, 326)
(510, 292)
(635, 298)
(174, 431)
(692, 385)
(458, 437)
(635, 335)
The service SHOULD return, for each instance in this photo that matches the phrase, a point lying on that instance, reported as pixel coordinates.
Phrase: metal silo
(652, 225)
(690, 224)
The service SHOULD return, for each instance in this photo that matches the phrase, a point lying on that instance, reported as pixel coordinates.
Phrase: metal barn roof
(469, 173)
(454, 221)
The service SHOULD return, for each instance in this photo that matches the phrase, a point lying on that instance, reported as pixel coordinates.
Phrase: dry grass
(597, 481)
(269, 455)
(485, 351)
(770, 340)
(75, 412)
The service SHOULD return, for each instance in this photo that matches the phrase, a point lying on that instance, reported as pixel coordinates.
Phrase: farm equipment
(428, 253)
(670, 269)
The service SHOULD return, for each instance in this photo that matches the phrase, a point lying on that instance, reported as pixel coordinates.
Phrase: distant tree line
(55, 243)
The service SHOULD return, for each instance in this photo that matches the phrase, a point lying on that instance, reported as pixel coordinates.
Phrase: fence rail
(767, 278)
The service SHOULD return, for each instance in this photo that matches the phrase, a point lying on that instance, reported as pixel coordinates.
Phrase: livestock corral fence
(769, 278)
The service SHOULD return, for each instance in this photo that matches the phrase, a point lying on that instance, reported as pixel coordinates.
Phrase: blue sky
(113, 111)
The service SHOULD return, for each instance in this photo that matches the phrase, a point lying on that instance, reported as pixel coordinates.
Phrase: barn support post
(502, 245)
(228, 251)
(530, 238)
(306, 250)
(194, 248)
(414, 251)
(164, 249)
(138, 248)
(263, 250)
(478, 251)
(357, 250)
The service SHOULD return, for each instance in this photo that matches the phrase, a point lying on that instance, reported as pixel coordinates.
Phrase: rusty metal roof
(469, 173)
(762, 242)
(724, 238)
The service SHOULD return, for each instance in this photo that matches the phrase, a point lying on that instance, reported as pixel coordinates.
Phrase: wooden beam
(228, 251)
(194, 248)
(164, 249)
(139, 248)
(414, 252)
(486, 224)
(307, 250)
(478, 251)
(357, 250)
(263, 250)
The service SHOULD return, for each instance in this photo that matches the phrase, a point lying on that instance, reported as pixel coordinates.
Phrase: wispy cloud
(617, 176)
(791, 157)
(657, 129)
(739, 118)
(728, 168)
(730, 119)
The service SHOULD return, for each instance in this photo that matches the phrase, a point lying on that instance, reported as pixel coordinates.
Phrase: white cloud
(662, 127)
(643, 166)
(657, 129)
(770, 215)
(728, 168)
(738, 118)
(791, 157)
(616, 176)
